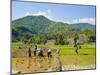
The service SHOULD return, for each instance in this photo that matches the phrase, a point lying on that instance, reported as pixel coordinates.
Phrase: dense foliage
(39, 29)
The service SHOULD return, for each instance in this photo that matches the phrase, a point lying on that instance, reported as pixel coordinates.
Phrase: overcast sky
(57, 12)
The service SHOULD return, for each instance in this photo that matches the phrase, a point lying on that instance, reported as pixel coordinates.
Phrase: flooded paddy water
(60, 61)
(43, 64)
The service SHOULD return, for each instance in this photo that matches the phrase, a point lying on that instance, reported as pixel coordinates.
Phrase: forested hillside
(39, 29)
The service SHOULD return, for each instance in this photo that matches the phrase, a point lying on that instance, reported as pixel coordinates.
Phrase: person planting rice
(29, 52)
(77, 48)
(76, 44)
(35, 50)
(49, 53)
(40, 53)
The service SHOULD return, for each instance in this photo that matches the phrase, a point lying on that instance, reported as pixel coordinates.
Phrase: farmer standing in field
(49, 53)
(35, 49)
(40, 53)
(29, 52)
(76, 44)
(77, 48)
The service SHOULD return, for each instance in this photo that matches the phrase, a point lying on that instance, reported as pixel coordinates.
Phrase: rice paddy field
(63, 58)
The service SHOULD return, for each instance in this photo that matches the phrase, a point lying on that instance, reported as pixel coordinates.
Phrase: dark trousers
(40, 54)
(34, 53)
(30, 54)
(76, 51)
(49, 54)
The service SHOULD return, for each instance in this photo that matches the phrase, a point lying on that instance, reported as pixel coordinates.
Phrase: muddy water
(43, 64)
(23, 64)
(30, 65)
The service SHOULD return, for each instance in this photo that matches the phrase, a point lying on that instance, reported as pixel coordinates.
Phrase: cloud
(83, 20)
(40, 13)
(46, 13)
(27, 13)
(88, 20)
(35, 14)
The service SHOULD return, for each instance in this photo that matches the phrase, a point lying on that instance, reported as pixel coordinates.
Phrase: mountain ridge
(41, 24)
